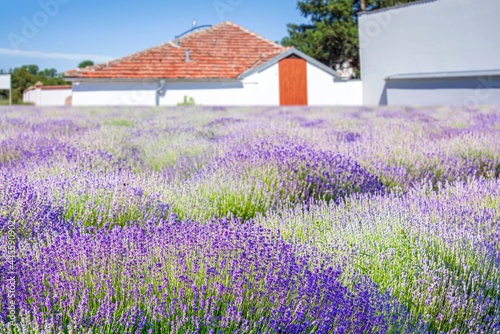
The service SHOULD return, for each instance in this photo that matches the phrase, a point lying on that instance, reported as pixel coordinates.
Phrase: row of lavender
(195, 220)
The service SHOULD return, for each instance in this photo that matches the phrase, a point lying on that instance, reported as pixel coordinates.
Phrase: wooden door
(293, 81)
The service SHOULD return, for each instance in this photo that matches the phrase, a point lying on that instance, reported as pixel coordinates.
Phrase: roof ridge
(253, 34)
(200, 31)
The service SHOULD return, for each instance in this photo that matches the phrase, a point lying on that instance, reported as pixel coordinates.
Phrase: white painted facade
(47, 97)
(416, 53)
(324, 90)
(6, 84)
(5, 80)
(114, 93)
(258, 89)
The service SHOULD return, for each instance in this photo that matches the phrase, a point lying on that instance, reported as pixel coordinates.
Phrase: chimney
(187, 56)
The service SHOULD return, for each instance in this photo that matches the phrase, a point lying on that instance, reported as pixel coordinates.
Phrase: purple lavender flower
(111, 279)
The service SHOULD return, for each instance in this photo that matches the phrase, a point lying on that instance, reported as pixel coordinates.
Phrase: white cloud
(50, 55)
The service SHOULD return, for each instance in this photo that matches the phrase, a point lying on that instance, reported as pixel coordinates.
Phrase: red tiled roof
(223, 51)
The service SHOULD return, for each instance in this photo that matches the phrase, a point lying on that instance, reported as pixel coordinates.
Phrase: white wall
(5, 81)
(323, 90)
(114, 94)
(427, 37)
(48, 97)
(258, 89)
(452, 91)
(31, 96)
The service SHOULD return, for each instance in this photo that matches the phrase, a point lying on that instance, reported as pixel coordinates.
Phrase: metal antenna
(195, 28)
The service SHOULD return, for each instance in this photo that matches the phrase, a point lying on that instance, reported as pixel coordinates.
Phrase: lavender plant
(345, 220)
(186, 277)
(437, 252)
(258, 177)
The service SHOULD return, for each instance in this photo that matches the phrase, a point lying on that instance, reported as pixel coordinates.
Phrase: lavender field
(215, 220)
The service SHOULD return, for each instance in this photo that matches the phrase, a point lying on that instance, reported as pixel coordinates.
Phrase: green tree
(48, 73)
(85, 63)
(28, 75)
(31, 69)
(22, 79)
(331, 35)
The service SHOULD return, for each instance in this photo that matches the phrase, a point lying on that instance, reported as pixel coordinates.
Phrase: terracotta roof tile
(223, 51)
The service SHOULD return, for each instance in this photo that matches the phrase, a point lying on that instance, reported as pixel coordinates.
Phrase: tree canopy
(85, 63)
(331, 35)
(28, 75)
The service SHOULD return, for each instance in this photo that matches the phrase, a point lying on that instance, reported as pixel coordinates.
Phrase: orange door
(293, 81)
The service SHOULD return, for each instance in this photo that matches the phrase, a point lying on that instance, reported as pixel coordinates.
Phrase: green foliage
(85, 63)
(28, 75)
(119, 122)
(243, 197)
(4, 97)
(31, 69)
(331, 35)
(188, 101)
(49, 73)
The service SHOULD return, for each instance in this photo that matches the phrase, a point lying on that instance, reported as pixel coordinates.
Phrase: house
(431, 52)
(224, 64)
(41, 95)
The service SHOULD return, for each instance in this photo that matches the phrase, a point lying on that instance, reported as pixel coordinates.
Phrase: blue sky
(61, 33)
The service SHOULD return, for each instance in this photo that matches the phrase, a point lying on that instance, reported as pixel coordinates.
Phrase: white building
(431, 52)
(6, 84)
(220, 65)
(41, 95)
